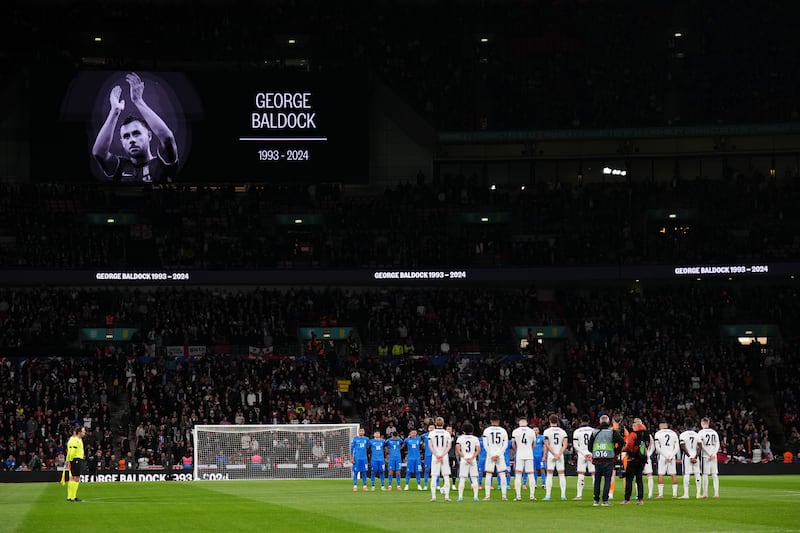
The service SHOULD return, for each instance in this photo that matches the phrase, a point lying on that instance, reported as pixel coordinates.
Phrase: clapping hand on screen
(114, 98)
(137, 86)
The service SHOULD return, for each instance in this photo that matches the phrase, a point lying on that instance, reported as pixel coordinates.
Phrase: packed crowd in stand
(549, 223)
(653, 352)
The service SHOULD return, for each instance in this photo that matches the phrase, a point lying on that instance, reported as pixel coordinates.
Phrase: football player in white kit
(667, 445)
(691, 463)
(555, 442)
(440, 442)
(523, 439)
(648, 467)
(495, 439)
(580, 443)
(467, 449)
(707, 447)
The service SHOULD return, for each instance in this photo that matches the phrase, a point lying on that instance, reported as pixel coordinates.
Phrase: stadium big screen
(227, 127)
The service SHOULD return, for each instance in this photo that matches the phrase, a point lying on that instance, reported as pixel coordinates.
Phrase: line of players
(537, 458)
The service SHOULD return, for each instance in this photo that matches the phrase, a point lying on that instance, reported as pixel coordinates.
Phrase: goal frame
(335, 465)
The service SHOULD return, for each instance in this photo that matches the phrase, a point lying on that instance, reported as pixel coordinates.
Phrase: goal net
(282, 451)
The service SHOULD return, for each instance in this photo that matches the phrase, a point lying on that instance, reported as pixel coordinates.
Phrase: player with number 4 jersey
(523, 438)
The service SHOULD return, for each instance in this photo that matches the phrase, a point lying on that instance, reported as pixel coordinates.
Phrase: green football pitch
(747, 503)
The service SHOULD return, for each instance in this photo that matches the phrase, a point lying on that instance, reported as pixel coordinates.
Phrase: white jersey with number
(709, 442)
(708, 439)
(667, 446)
(470, 446)
(554, 437)
(440, 441)
(580, 443)
(688, 440)
(580, 439)
(667, 442)
(495, 439)
(524, 439)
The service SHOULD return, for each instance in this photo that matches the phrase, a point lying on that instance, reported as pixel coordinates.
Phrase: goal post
(273, 451)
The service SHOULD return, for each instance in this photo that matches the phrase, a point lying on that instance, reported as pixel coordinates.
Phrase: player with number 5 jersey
(555, 443)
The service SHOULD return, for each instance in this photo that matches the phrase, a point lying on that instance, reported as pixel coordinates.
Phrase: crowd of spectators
(654, 352)
(548, 223)
(544, 64)
(651, 350)
(42, 399)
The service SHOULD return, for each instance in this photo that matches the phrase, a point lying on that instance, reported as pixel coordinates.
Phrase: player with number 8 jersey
(580, 443)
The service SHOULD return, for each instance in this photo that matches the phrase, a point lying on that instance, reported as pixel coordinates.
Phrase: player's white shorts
(440, 468)
(690, 467)
(584, 465)
(648, 467)
(500, 464)
(466, 469)
(708, 467)
(553, 464)
(524, 465)
(665, 468)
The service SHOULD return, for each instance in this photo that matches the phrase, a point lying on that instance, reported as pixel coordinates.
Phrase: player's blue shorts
(394, 465)
(413, 466)
(538, 464)
(360, 465)
(428, 461)
(376, 467)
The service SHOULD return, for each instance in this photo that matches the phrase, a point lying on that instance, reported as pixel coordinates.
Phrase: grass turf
(747, 503)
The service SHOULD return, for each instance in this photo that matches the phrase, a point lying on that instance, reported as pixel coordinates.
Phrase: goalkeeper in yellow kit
(75, 460)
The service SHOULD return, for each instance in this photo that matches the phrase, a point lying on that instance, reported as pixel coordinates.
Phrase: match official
(603, 447)
(76, 460)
